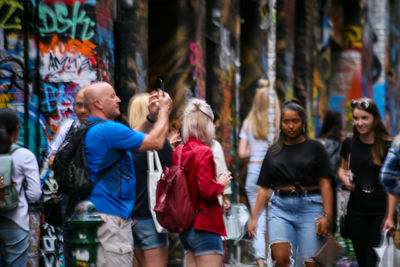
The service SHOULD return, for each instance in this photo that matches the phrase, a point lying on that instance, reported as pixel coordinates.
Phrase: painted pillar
(345, 83)
(76, 48)
(376, 27)
(131, 41)
(392, 116)
(303, 51)
(271, 39)
(321, 72)
(223, 31)
(177, 49)
(285, 48)
(18, 70)
(252, 39)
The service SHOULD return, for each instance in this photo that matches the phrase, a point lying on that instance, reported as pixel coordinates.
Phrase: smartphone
(160, 84)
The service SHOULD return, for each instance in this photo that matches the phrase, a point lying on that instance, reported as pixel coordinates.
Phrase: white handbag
(388, 254)
(236, 222)
(153, 175)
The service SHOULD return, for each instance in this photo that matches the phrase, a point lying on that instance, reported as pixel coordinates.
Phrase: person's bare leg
(260, 262)
(281, 253)
(139, 256)
(155, 257)
(190, 259)
(212, 260)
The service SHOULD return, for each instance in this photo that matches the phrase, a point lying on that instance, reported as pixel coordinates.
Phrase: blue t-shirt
(106, 143)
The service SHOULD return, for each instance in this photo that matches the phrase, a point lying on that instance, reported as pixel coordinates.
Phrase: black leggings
(365, 225)
(365, 234)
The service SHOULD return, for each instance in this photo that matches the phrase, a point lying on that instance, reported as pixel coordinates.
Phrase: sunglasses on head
(360, 103)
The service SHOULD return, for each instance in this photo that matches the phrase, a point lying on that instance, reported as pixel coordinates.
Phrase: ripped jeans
(292, 219)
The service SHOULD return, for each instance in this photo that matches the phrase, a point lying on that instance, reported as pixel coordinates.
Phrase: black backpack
(70, 167)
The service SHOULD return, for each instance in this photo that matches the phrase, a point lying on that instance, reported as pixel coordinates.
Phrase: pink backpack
(174, 207)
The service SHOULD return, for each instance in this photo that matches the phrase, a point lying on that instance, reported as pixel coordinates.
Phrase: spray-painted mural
(48, 50)
(392, 113)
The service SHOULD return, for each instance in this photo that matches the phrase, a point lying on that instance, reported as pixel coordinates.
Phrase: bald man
(110, 143)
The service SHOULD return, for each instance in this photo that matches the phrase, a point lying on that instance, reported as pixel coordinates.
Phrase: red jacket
(204, 189)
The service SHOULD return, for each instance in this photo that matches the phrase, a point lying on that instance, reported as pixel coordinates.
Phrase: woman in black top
(297, 170)
(367, 206)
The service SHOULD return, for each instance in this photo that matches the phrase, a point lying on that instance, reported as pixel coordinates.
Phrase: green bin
(84, 222)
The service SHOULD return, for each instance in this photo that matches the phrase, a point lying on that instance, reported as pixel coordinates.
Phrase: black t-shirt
(361, 162)
(141, 209)
(299, 165)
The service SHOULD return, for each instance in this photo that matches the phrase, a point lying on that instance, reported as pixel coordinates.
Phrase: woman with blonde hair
(150, 246)
(259, 131)
(202, 242)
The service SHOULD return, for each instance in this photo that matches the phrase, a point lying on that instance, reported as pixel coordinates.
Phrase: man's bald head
(101, 101)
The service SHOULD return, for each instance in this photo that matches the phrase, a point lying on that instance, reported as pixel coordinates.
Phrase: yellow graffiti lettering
(352, 36)
(5, 100)
(5, 22)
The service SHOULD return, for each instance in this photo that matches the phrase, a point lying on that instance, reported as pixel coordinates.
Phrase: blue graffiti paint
(264, 58)
(338, 103)
(379, 94)
(394, 46)
(54, 96)
(105, 39)
(35, 120)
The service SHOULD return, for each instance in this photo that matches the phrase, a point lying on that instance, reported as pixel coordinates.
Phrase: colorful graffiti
(47, 52)
(60, 19)
(10, 18)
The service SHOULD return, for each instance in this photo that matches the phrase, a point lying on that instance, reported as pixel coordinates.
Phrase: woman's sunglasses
(360, 103)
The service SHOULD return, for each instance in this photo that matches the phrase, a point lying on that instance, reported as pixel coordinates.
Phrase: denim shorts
(201, 242)
(293, 220)
(145, 235)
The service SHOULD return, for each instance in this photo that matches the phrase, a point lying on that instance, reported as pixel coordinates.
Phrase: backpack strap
(106, 170)
(180, 163)
(14, 147)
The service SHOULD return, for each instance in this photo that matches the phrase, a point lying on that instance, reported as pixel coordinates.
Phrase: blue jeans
(16, 244)
(292, 219)
(253, 171)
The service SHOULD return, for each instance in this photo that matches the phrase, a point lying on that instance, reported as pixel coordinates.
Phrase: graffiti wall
(222, 81)
(48, 50)
(392, 113)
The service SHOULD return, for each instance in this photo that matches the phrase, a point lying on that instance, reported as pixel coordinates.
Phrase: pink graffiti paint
(66, 2)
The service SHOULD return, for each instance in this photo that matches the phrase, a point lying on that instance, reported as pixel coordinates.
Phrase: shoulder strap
(105, 171)
(183, 164)
(349, 155)
(14, 147)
